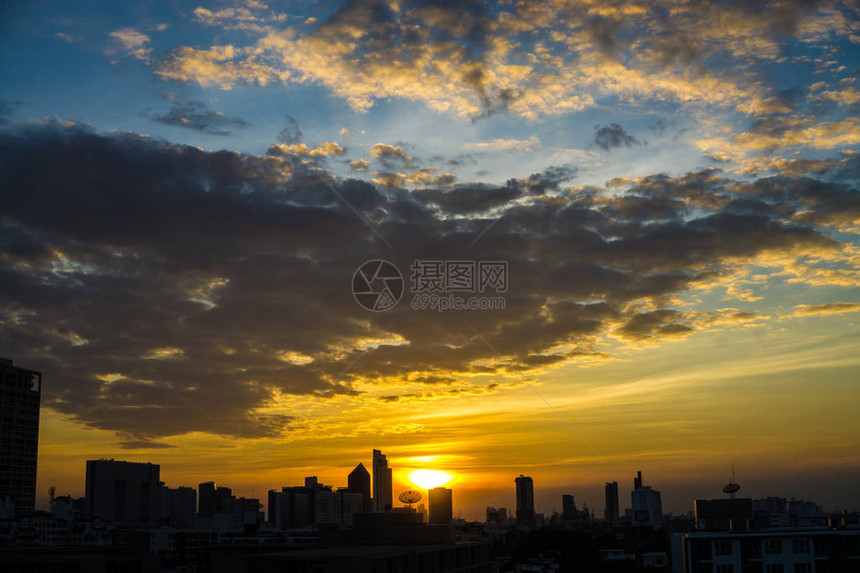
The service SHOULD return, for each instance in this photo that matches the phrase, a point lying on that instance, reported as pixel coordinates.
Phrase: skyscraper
(382, 496)
(525, 499)
(123, 492)
(207, 503)
(647, 506)
(441, 506)
(568, 508)
(610, 513)
(20, 392)
(359, 482)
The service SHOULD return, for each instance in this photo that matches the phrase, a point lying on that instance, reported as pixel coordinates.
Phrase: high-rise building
(123, 492)
(610, 512)
(525, 499)
(441, 506)
(207, 503)
(178, 506)
(359, 482)
(382, 496)
(20, 392)
(568, 508)
(647, 506)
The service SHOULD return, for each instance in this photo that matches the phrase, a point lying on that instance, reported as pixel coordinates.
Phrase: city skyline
(531, 495)
(255, 241)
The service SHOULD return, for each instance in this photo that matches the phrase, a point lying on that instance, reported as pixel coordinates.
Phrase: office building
(313, 504)
(123, 492)
(610, 511)
(178, 506)
(358, 481)
(382, 495)
(525, 500)
(647, 506)
(20, 392)
(568, 508)
(441, 506)
(206, 501)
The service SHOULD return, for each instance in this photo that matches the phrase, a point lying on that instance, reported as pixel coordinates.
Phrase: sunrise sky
(187, 189)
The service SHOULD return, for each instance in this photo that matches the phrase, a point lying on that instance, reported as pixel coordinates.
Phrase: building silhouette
(568, 508)
(206, 500)
(610, 511)
(647, 507)
(358, 481)
(441, 506)
(525, 500)
(313, 504)
(20, 393)
(733, 514)
(382, 494)
(178, 506)
(123, 492)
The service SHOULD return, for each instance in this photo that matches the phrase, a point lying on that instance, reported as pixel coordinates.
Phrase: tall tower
(647, 505)
(359, 482)
(382, 496)
(525, 499)
(20, 393)
(610, 513)
(441, 506)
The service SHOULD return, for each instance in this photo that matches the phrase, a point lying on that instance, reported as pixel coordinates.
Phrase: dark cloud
(290, 134)
(7, 109)
(163, 289)
(197, 115)
(613, 136)
(470, 198)
(603, 33)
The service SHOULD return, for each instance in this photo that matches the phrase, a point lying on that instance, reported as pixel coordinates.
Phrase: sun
(428, 479)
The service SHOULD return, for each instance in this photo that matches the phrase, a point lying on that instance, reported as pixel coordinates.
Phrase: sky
(188, 190)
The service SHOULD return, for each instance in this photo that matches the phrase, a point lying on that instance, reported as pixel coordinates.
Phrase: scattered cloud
(501, 144)
(196, 115)
(129, 42)
(613, 136)
(825, 309)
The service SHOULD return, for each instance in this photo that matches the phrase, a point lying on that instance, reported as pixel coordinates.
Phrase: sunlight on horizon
(428, 479)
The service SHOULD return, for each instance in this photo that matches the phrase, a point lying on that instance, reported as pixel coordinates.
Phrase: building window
(773, 547)
(803, 568)
(774, 568)
(722, 548)
(725, 568)
(800, 545)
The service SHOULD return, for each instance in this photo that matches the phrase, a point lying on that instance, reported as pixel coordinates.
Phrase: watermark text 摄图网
(439, 285)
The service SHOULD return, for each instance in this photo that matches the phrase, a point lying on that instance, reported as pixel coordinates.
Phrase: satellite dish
(409, 497)
(731, 489)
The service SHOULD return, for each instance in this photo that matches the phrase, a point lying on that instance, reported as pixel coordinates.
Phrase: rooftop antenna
(732, 487)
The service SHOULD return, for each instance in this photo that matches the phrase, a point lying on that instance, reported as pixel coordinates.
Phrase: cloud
(501, 144)
(290, 134)
(825, 309)
(613, 136)
(129, 42)
(196, 115)
(168, 289)
(526, 60)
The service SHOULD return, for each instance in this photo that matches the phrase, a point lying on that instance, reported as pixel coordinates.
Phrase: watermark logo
(377, 285)
(436, 285)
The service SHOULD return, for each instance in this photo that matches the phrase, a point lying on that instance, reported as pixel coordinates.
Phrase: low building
(802, 550)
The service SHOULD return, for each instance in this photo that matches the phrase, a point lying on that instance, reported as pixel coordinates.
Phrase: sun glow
(428, 479)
